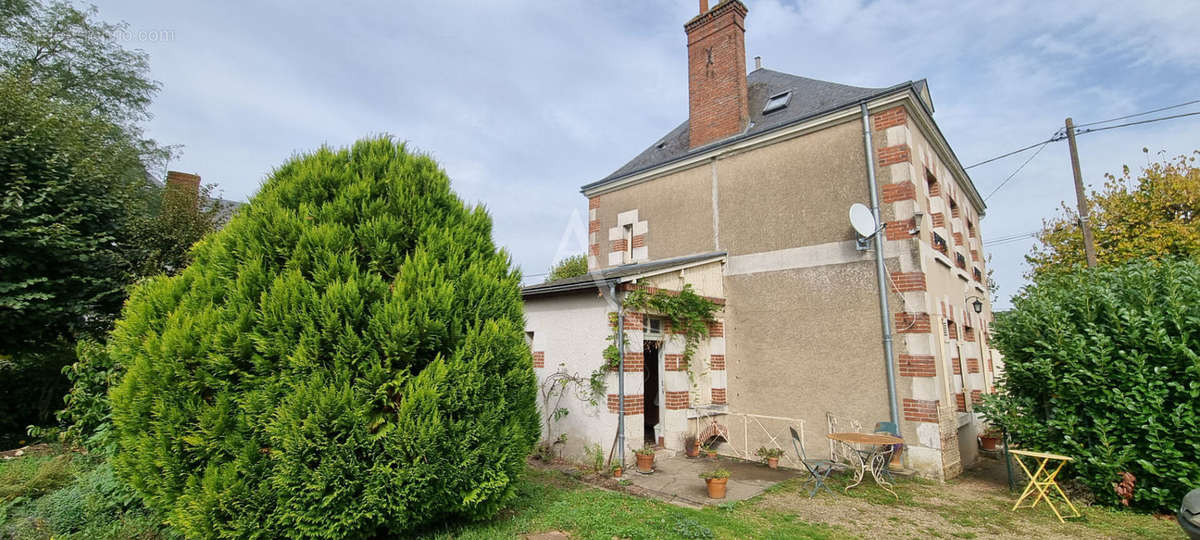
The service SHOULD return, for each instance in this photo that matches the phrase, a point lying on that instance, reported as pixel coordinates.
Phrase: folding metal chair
(818, 469)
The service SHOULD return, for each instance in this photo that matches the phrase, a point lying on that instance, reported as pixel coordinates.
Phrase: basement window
(777, 101)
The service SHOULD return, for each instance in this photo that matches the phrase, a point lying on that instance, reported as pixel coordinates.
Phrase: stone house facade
(747, 202)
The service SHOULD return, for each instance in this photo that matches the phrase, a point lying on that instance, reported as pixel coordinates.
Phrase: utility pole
(1089, 248)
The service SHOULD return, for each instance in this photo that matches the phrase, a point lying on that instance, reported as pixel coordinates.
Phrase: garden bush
(1104, 365)
(346, 358)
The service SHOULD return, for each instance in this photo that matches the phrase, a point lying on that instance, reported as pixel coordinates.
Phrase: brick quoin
(908, 281)
(634, 404)
(594, 249)
(634, 363)
(990, 367)
(639, 241)
(593, 202)
(900, 230)
(893, 155)
(920, 410)
(619, 246)
(677, 400)
(960, 402)
(958, 241)
(718, 396)
(972, 365)
(896, 116)
(903, 191)
(716, 329)
(633, 321)
(674, 362)
(975, 256)
(939, 219)
(912, 323)
(718, 104)
(594, 226)
(956, 366)
(976, 396)
(917, 366)
(716, 362)
(968, 333)
(539, 359)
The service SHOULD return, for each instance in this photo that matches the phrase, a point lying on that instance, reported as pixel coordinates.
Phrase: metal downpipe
(620, 373)
(885, 316)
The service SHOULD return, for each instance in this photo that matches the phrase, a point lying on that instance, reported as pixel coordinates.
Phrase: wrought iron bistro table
(874, 457)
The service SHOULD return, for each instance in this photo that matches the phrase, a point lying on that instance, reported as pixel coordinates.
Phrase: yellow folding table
(1042, 480)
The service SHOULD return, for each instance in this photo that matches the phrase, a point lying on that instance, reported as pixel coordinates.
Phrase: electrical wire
(1160, 109)
(1014, 173)
(1060, 135)
(1172, 117)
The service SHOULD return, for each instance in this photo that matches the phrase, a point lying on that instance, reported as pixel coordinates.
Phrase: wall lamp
(977, 304)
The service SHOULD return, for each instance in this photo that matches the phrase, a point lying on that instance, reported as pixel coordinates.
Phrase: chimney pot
(703, 6)
(757, 62)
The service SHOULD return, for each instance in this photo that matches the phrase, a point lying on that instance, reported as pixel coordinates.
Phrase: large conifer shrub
(345, 358)
(1103, 365)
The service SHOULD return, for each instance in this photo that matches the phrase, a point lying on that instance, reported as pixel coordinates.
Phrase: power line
(1002, 156)
(1060, 134)
(1172, 117)
(1014, 173)
(1160, 109)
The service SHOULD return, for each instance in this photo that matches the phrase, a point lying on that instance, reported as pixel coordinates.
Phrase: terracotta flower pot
(712, 454)
(645, 463)
(716, 487)
(989, 443)
(773, 462)
(617, 472)
(693, 450)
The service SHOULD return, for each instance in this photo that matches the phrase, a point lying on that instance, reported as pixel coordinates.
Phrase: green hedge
(1104, 365)
(345, 359)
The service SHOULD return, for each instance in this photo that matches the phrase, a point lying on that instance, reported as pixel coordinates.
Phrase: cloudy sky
(523, 102)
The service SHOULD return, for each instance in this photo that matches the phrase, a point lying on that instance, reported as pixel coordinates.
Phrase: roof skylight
(777, 101)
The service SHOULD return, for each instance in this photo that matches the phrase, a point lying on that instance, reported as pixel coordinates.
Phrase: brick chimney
(717, 102)
(184, 182)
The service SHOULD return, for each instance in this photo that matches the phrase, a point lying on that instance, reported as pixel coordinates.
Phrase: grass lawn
(51, 494)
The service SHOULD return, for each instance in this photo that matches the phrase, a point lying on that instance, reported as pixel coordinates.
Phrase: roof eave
(717, 146)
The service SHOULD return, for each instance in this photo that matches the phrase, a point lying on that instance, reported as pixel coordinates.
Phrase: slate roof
(612, 274)
(810, 98)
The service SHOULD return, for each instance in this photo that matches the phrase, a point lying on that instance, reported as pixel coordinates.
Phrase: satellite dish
(862, 220)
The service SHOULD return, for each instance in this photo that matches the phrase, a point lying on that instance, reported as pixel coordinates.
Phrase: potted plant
(990, 438)
(715, 480)
(616, 470)
(770, 455)
(645, 459)
(710, 449)
(691, 446)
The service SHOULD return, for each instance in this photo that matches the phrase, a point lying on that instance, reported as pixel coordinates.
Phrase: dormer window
(777, 101)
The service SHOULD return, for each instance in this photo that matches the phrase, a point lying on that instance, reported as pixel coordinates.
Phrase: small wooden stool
(1042, 480)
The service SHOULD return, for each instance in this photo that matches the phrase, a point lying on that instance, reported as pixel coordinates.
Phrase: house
(747, 203)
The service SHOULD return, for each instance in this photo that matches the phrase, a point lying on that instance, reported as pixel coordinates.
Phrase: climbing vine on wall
(687, 313)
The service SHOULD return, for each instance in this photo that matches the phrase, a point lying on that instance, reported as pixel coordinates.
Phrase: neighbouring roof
(613, 274)
(810, 98)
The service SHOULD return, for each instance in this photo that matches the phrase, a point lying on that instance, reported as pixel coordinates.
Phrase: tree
(176, 219)
(68, 183)
(1152, 216)
(575, 265)
(346, 358)
(1103, 365)
(81, 55)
